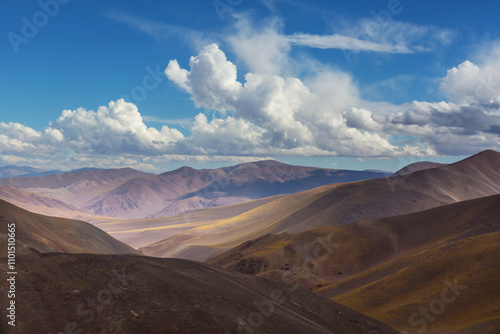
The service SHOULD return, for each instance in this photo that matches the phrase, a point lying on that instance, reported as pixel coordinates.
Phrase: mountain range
(16, 171)
(285, 249)
(128, 193)
(338, 204)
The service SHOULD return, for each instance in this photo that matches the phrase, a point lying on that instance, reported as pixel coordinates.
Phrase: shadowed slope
(37, 233)
(131, 294)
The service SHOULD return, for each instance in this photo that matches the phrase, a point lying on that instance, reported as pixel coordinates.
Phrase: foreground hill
(389, 267)
(132, 294)
(340, 204)
(41, 234)
(458, 282)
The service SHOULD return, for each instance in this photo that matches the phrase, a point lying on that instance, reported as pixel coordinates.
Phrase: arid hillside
(389, 267)
(43, 234)
(135, 294)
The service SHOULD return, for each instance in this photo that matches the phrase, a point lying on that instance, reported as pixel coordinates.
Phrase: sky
(155, 85)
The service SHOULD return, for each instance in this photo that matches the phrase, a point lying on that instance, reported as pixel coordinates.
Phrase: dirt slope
(132, 294)
(389, 267)
(37, 233)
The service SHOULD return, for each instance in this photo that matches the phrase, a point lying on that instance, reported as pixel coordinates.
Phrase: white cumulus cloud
(117, 128)
(469, 83)
(271, 114)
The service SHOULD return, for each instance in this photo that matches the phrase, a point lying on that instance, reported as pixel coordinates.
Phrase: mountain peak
(269, 162)
(259, 164)
(417, 166)
(485, 157)
(486, 154)
(184, 170)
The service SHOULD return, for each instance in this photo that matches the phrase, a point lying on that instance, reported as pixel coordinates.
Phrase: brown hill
(402, 297)
(474, 177)
(132, 294)
(357, 247)
(417, 166)
(36, 233)
(389, 267)
(340, 204)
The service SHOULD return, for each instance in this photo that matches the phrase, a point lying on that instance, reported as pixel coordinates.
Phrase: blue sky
(355, 85)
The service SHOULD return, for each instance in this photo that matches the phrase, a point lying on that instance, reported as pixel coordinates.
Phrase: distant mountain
(32, 201)
(387, 173)
(128, 193)
(17, 171)
(144, 196)
(84, 169)
(42, 234)
(187, 189)
(85, 178)
(340, 204)
(76, 187)
(135, 294)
